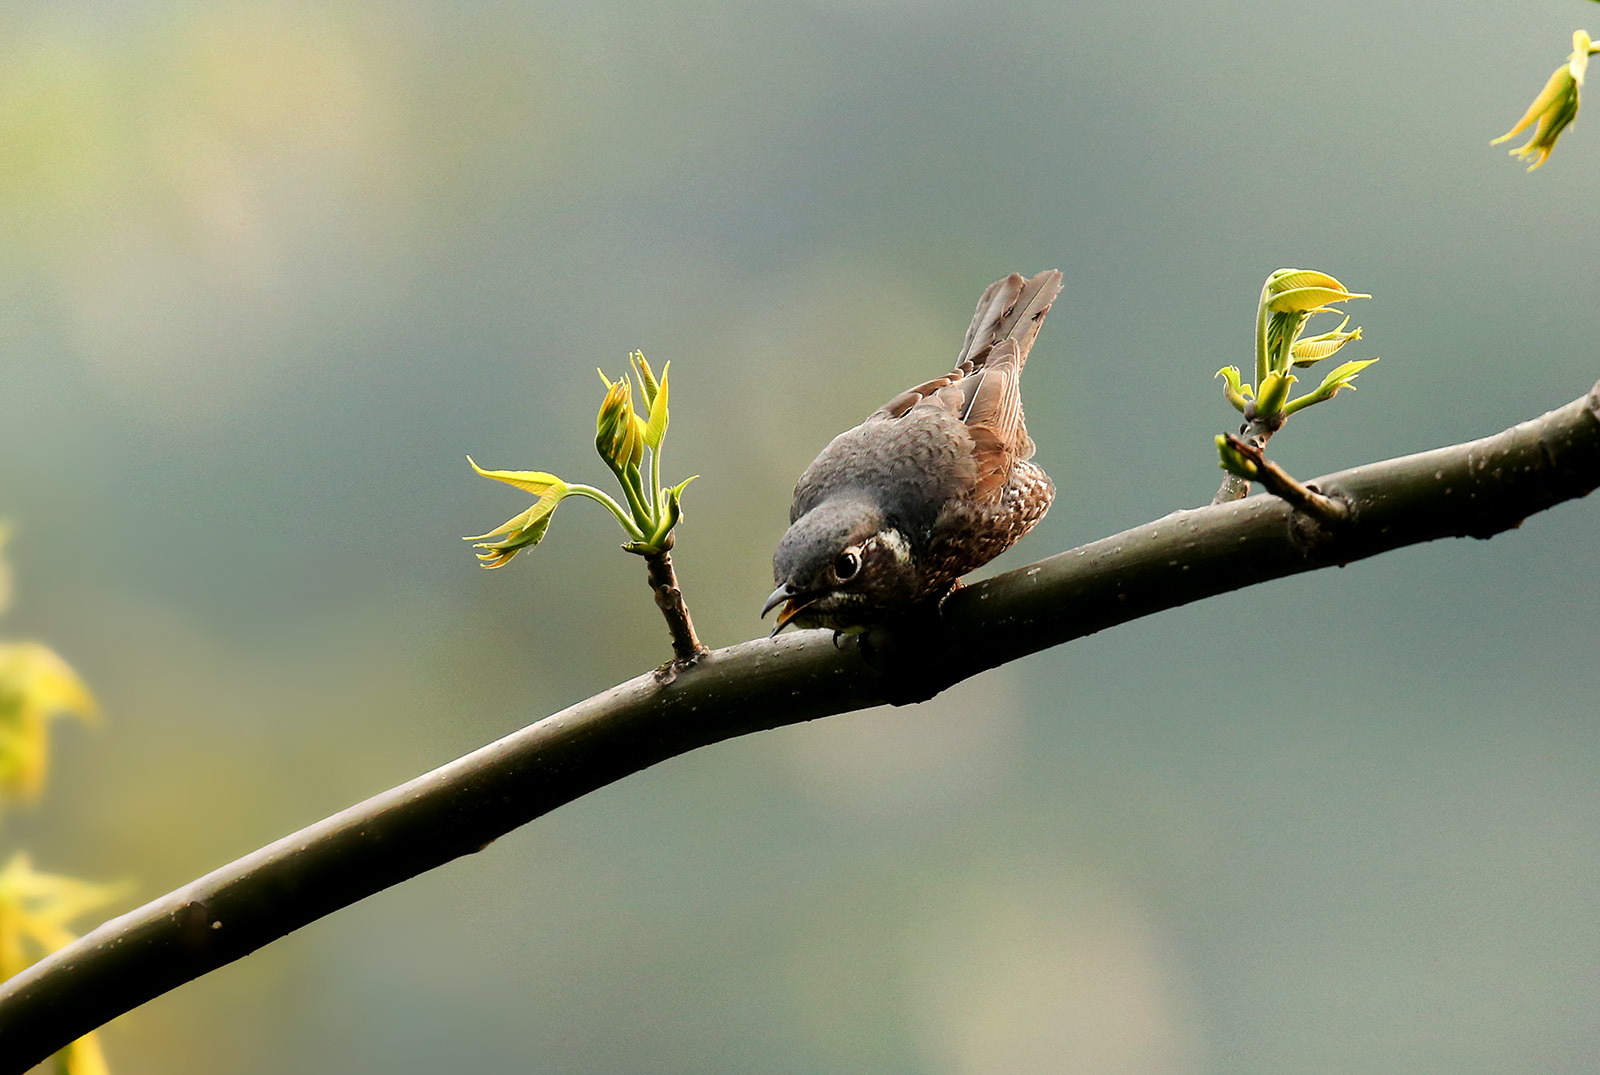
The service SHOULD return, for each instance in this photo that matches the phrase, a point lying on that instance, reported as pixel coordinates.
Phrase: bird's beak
(793, 605)
(780, 595)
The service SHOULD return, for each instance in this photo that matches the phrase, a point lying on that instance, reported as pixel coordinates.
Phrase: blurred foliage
(36, 685)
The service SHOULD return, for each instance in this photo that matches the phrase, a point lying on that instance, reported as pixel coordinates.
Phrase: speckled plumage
(931, 485)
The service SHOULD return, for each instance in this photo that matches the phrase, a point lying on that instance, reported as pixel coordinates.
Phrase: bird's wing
(989, 403)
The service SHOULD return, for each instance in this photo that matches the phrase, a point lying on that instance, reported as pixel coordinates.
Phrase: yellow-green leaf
(1314, 349)
(525, 530)
(1309, 299)
(1273, 392)
(615, 405)
(1236, 393)
(536, 482)
(619, 432)
(647, 377)
(1555, 108)
(1337, 380)
(1342, 375)
(1235, 462)
(670, 517)
(1293, 279)
(520, 532)
(656, 428)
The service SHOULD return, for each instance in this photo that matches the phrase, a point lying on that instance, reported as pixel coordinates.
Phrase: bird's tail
(1012, 308)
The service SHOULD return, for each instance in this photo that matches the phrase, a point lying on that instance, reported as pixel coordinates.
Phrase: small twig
(686, 645)
(1280, 483)
(1256, 433)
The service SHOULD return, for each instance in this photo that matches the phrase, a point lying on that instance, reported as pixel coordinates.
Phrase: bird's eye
(846, 565)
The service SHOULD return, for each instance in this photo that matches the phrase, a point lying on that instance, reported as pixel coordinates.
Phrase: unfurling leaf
(647, 512)
(1309, 300)
(1304, 291)
(522, 531)
(674, 512)
(619, 433)
(1273, 392)
(1556, 106)
(1314, 349)
(1338, 378)
(1289, 299)
(646, 376)
(1293, 279)
(1234, 461)
(1236, 393)
(536, 482)
(656, 428)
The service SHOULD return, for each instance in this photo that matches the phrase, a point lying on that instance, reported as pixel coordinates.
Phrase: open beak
(793, 604)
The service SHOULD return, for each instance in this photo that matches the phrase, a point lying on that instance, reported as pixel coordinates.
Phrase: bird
(931, 485)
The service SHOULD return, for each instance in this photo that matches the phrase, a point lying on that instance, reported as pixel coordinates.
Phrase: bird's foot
(954, 586)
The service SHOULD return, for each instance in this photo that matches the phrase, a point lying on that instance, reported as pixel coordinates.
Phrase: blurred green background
(270, 270)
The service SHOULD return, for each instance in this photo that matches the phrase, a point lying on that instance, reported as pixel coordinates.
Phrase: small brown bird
(933, 484)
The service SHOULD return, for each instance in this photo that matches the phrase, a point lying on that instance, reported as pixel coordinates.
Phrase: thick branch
(1476, 489)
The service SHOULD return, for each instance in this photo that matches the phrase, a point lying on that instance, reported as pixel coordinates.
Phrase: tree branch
(1476, 489)
(1280, 483)
(686, 645)
(1255, 432)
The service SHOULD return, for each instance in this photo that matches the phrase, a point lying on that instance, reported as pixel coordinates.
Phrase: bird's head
(839, 563)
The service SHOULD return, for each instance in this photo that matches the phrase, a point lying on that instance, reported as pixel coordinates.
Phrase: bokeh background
(268, 271)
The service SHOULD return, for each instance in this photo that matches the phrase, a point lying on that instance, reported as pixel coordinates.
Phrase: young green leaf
(1338, 378)
(1309, 300)
(1233, 461)
(1274, 391)
(1236, 393)
(1556, 106)
(656, 428)
(1314, 349)
(1292, 279)
(536, 482)
(647, 378)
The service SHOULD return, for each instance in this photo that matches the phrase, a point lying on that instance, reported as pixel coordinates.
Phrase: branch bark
(1280, 483)
(686, 645)
(1476, 489)
(1254, 433)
